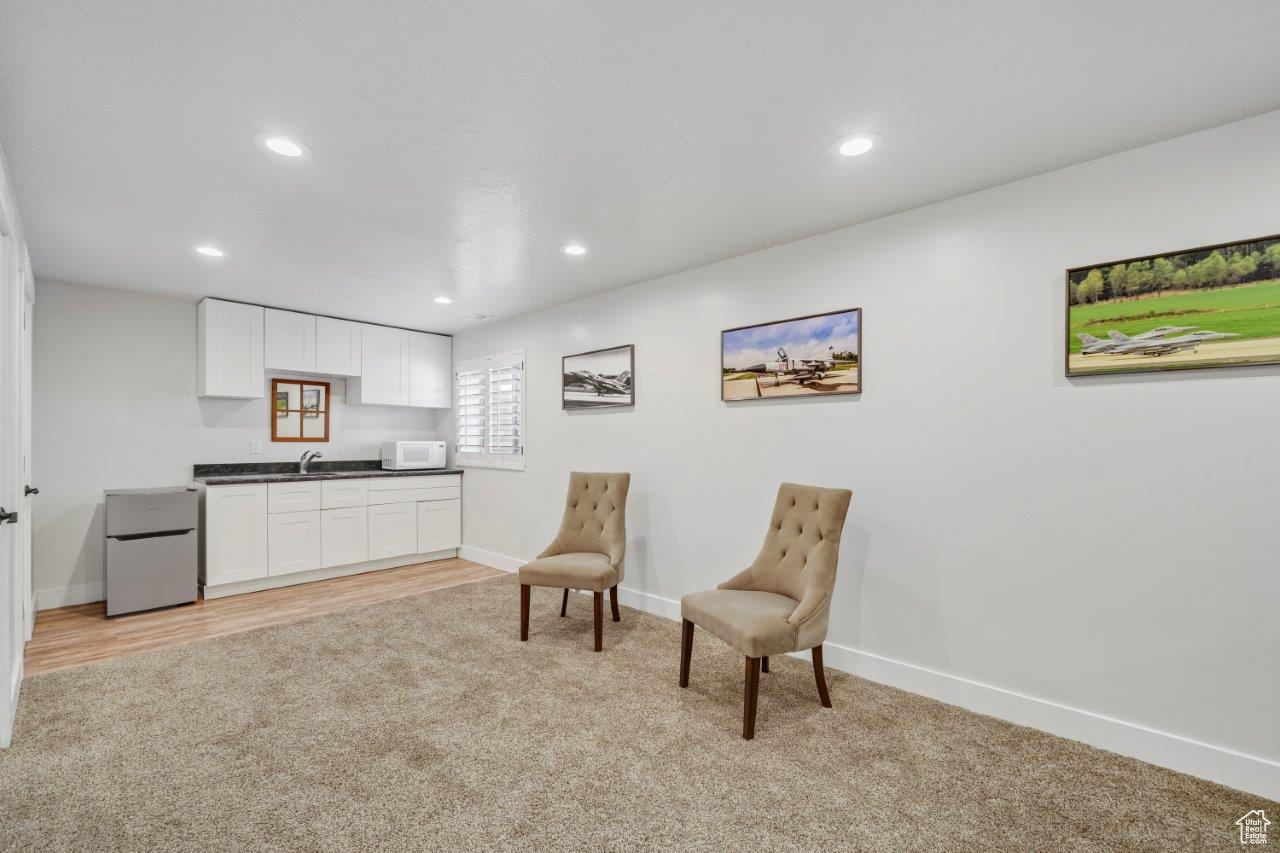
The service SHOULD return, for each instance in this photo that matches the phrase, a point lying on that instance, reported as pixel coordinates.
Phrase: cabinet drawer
(393, 530)
(293, 497)
(444, 493)
(401, 489)
(427, 481)
(344, 536)
(293, 542)
(343, 493)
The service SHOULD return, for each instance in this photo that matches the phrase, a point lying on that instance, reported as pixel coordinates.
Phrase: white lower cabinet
(344, 536)
(293, 542)
(234, 528)
(260, 532)
(393, 530)
(439, 525)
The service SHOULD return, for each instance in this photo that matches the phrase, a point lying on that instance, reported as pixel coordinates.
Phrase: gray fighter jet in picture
(801, 370)
(599, 383)
(1164, 346)
(1089, 345)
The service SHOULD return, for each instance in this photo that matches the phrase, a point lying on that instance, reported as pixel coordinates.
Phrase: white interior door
(12, 631)
(27, 516)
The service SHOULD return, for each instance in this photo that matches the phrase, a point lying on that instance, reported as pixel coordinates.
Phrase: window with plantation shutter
(490, 411)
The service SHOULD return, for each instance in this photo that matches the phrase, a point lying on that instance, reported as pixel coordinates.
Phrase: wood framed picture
(300, 410)
(599, 379)
(814, 356)
(1215, 306)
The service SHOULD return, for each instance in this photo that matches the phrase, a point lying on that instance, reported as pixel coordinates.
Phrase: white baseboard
(276, 581)
(47, 599)
(1219, 764)
(1244, 772)
(490, 559)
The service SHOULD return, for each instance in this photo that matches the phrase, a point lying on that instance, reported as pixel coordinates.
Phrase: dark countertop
(242, 473)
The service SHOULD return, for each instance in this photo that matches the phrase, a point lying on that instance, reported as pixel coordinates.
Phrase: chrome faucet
(307, 457)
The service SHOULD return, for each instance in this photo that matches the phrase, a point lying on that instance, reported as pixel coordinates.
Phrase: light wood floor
(81, 633)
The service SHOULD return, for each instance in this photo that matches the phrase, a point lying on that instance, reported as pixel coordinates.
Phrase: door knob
(10, 517)
(27, 490)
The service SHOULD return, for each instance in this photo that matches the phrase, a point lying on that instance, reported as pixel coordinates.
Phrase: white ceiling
(459, 145)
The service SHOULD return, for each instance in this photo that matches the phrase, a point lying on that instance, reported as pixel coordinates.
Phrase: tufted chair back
(798, 559)
(594, 517)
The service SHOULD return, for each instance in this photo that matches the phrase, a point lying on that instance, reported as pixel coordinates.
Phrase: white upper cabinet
(430, 369)
(337, 347)
(291, 341)
(387, 366)
(229, 349)
(384, 367)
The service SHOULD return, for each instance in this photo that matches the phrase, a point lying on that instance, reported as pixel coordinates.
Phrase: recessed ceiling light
(859, 143)
(476, 318)
(575, 249)
(210, 251)
(283, 145)
(442, 300)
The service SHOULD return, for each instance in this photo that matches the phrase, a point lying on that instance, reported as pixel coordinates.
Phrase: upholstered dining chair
(587, 552)
(781, 602)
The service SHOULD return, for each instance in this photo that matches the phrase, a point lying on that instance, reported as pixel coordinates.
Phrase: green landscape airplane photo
(1216, 306)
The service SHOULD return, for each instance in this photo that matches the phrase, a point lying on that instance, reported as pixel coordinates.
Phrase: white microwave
(408, 455)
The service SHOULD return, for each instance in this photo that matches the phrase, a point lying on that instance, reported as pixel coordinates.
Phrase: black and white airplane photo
(599, 379)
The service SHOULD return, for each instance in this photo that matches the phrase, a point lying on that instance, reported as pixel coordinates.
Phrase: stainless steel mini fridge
(151, 548)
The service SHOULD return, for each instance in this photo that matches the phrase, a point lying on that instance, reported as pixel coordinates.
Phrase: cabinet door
(290, 341)
(337, 347)
(393, 530)
(344, 536)
(384, 367)
(430, 369)
(229, 350)
(235, 533)
(439, 525)
(293, 542)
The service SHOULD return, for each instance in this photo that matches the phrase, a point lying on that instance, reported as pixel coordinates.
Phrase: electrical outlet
(255, 445)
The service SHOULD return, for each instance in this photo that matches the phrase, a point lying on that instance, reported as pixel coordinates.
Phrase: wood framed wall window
(299, 410)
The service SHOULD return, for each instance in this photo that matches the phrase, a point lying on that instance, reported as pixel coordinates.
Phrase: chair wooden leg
(764, 664)
(686, 651)
(751, 691)
(613, 602)
(598, 610)
(564, 603)
(820, 675)
(524, 612)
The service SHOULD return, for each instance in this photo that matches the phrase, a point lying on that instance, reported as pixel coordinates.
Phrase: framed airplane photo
(599, 379)
(1215, 306)
(814, 356)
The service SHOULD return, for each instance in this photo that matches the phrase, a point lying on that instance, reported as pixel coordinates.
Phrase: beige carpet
(424, 723)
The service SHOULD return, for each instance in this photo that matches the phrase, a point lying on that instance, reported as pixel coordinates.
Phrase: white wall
(1097, 557)
(115, 407)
